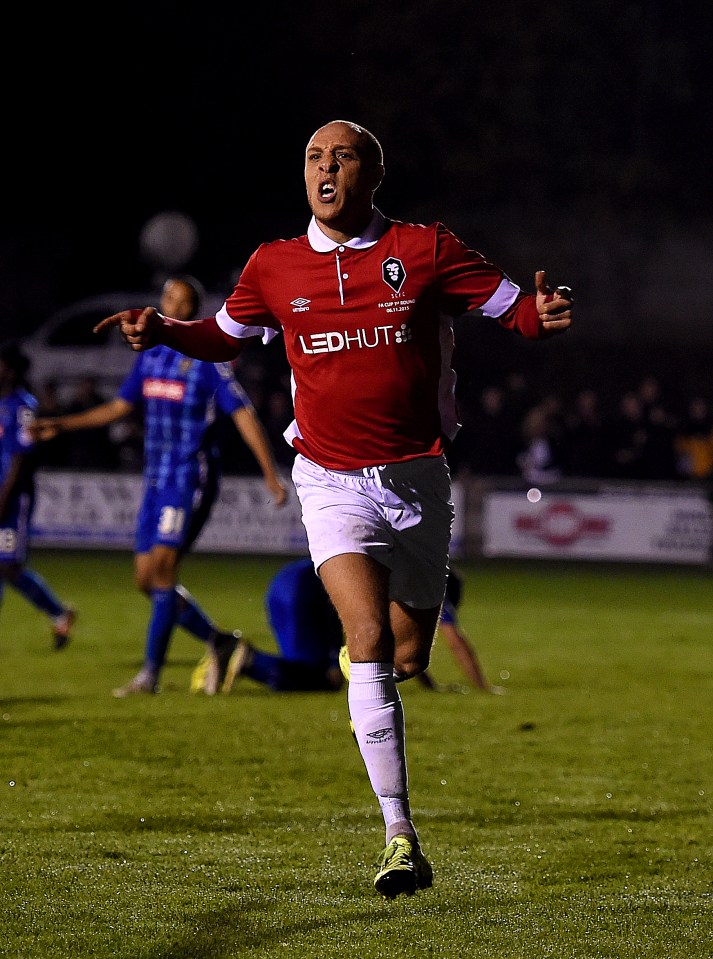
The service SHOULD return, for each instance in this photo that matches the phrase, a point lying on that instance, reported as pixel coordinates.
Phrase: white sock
(377, 715)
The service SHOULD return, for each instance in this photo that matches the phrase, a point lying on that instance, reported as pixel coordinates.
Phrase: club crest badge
(393, 273)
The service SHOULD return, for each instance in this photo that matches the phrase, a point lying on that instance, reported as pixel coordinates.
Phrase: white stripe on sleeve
(239, 330)
(501, 300)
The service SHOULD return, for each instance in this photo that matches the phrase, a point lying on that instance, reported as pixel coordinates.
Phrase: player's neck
(343, 232)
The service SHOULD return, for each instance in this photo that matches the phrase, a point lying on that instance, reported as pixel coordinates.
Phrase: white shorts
(400, 514)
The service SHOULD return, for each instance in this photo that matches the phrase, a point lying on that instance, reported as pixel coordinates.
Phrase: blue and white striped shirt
(180, 397)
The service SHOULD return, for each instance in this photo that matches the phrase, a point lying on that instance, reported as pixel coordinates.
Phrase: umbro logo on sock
(380, 736)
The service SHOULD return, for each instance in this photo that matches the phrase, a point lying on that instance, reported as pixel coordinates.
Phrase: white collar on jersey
(322, 244)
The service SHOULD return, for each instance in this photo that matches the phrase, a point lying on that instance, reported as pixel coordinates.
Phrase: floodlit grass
(569, 818)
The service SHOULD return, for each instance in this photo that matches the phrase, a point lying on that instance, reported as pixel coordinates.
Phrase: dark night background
(567, 137)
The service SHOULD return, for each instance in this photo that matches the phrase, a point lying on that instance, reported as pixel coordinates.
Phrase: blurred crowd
(640, 434)
(507, 431)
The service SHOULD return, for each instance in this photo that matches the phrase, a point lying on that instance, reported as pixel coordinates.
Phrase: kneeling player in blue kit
(308, 633)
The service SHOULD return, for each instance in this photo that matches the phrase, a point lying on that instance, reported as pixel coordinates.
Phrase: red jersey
(369, 335)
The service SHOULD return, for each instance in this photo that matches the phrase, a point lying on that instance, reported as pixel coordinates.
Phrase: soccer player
(308, 634)
(18, 408)
(179, 397)
(364, 304)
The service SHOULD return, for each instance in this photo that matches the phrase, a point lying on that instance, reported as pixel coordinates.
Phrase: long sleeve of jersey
(470, 283)
(199, 339)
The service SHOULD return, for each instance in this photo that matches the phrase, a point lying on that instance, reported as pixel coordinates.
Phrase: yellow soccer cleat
(198, 676)
(403, 868)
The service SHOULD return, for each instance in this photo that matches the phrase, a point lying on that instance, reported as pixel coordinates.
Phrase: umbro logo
(380, 736)
(300, 305)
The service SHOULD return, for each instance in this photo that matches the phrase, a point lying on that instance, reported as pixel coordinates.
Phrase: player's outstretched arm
(138, 327)
(47, 427)
(200, 339)
(253, 432)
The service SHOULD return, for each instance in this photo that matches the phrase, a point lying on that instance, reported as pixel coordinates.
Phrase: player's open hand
(554, 306)
(138, 327)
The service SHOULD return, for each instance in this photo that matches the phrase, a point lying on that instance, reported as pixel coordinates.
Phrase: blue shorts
(15, 529)
(173, 517)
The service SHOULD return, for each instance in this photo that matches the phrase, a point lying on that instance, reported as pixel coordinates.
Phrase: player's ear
(377, 176)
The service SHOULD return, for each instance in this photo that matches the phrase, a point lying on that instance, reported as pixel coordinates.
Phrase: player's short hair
(370, 145)
(371, 148)
(195, 286)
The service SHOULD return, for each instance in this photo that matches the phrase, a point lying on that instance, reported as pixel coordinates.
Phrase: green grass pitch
(569, 818)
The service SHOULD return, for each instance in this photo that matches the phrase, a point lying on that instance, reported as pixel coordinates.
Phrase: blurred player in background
(18, 407)
(308, 635)
(365, 304)
(179, 398)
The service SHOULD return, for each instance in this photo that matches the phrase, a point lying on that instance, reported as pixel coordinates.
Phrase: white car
(64, 348)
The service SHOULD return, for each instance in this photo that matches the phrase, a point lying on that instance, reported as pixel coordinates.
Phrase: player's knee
(412, 663)
(371, 643)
